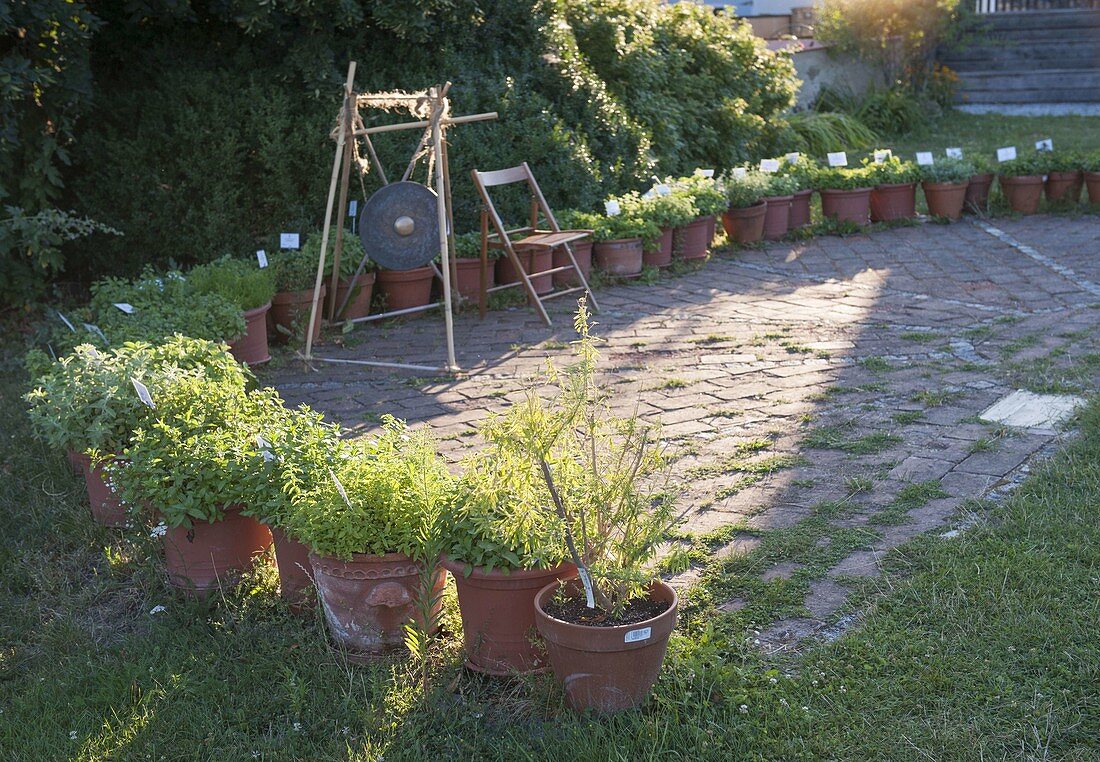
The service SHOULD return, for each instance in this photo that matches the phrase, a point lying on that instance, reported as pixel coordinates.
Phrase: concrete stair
(1031, 57)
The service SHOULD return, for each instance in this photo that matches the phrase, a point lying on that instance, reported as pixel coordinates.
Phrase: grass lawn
(980, 647)
(983, 134)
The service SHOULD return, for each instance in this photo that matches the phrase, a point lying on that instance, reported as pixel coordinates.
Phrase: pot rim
(1022, 179)
(744, 209)
(670, 612)
(416, 273)
(944, 186)
(847, 191)
(621, 241)
(895, 186)
(257, 311)
(778, 199)
(458, 568)
(363, 558)
(284, 297)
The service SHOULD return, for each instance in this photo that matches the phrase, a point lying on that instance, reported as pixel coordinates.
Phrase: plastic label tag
(353, 207)
(1006, 154)
(590, 600)
(612, 208)
(143, 393)
(261, 257)
(265, 448)
(739, 172)
(838, 159)
(769, 165)
(954, 153)
(792, 157)
(1044, 145)
(636, 635)
(288, 241)
(924, 158)
(65, 320)
(95, 329)
(127, 308)
(704, 173)
(881, 156)
(339, 488)
(662, 189)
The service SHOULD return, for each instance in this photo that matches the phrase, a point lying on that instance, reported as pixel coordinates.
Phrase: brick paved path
(823, 394)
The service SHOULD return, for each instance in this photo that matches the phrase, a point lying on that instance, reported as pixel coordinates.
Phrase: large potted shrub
(1091, 166)
(779, 196)
(1064, 177)
(804, 172)
(894, 195)
(977, 191)
(1021, 181)
(619, 242)
(194, 464)
(743, 218)
(502, 548)
(86, 405)
(295, 273)
(845, 194)
(693, 240)
(945, 184)
(574, 219)
(372, 529)
(666, 212)
(250, 288)
(468, 265)
(607, 630)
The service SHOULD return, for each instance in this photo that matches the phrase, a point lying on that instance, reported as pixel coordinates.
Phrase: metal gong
(399, 226)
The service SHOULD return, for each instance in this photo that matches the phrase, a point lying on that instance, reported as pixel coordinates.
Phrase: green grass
(840, 437)
(984, 133)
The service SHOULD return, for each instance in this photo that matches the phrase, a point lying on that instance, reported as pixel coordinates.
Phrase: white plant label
(261, 257)
(590, 599)
(95, 329)
(924, 158)
(881, 156)
(793, 157)
(339, 488)
(1044, 145)
(704, 173)
(353, 207)
(739, 172)
(612, 208)
(838, 159)
(635, 636)
(65, 320)
(265, 448)
(662, 189)
(769, 165)
(1006, 154)
(143, 393)
(127, 308)
(954, 153)
(288, 241)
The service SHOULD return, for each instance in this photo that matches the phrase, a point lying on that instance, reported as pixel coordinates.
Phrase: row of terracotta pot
(771, 218)
(1024, 192)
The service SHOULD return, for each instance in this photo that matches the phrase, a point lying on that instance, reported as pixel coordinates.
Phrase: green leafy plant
(746, 190)
(468, 245)
(301, 266)
(1061, 161)
(629, 223)
(892, 170)
(295, 269)
(1022, 166)
(242, 282)
(707, 196)
(671, 211)
(802, 169)
(781, 185)
(1090, 162)
(843, 178)
(948, 170)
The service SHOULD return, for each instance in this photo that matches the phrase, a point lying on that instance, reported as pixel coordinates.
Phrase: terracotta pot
(295, 570)
(945, 199)
(533, 261)
(608, 669)
(777, 216)
(621, 257)
(206, 556)
(694, 238)
(1064, 186)
(800, 210)
(498, 616)
(582, 252)
(406, 288)
(977, 193)
(661, 256)
(251, 348)
(361, 292)
(106, 508)
(76, 462)
(893, 201)
(847, 205)
(468, 272)
(368, 600)
(289, 314)
(1092, 181)
(1023, 192)
(745, 225)
(712, 228)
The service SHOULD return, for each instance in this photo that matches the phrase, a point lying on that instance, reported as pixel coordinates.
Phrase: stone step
(1031, 21)
(1087, 80)
(1068, 54)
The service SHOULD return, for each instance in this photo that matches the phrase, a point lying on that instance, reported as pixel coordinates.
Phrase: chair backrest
(522, 173)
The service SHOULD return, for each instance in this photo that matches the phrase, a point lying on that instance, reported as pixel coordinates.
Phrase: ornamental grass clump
(242, 282)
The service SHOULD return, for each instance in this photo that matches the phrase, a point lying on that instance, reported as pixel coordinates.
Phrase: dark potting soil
(576, 611)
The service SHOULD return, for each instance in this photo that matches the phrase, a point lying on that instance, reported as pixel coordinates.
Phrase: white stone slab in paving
(1028, 410)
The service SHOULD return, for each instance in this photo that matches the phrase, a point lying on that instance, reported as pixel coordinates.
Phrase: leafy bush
(819, 133)
(892, 170)
(242, 282)
(1091, 162)
(844, 178)
(671, 211)
(1061, 161)
(747, 190)
(781, 185)
(468, 245)
(706, 196)
(895, 111)
(803, 170)
(948, 170)
(350, 256)
(1028, 164)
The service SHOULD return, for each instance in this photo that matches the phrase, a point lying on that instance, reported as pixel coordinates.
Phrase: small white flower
(72, 735)
(756, 641)
(297, 726)
(784, 702)
(159, 530)
(805, 709)
(843, 689)
(814, 683)
(345, 730)
(156, 610)
(744, 708)
(773, 680)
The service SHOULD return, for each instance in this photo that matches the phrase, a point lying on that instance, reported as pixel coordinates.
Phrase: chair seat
(545, 239)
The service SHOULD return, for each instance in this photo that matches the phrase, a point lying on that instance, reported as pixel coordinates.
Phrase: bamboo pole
(341, 208)
(441, 208)
(421, 125)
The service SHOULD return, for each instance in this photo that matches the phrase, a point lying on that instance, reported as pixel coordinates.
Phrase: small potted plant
(606, 630)
(845, 194)
(945, 184)
(779, 196)
(693, 240)
(894, 195)
(468, 265)
(373, 530)
(977, 192)
(1064, 177)
(574, 219)
(1090, 164)
(743, 218)
(619, 241)
(195, 464)
(1021, 181)
(250, 288)
(502, 548)
(360, 288)
(295, 272)
(804, 172)
(666, 212)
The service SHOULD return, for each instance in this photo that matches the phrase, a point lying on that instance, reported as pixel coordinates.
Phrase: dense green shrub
(240, 281)
(948, 170)
(892, 170)
(844, 178)
(746, 190)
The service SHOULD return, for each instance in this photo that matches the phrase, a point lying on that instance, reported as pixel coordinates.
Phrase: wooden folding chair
(532, 238)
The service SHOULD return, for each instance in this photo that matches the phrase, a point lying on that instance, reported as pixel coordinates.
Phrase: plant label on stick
(265, 447)
(704, 173)
(339, 488)
(288, 241)
(1006, 154)
(612, 208)
(769, 165)
(97, 331)
(143, 393)
(793, 157)
(590, 599)
(739, 172)
(662, 189)
(954, 153)
(838, 159)
(924, 158)
(1046, 144)
(883, 155)
(261, 257)
(635, 636)
(127, 308)
(353, 207)
(65, 320)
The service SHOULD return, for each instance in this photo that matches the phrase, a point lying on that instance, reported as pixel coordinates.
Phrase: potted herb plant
(666, 212)
(977, 192)
(468, 265)
(693, 240)
(845, 194)
(295, 273)
(894, 195)
(945, 184)
(1091, 166)
(804, 172)
(574, 219)
(779, 196)
(1064, 177)
(619, 242)
(502, 548)
(250, 288)
(1021, 181)
(373, 530)
(360, 288)
(743, 219)
(607, 630)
